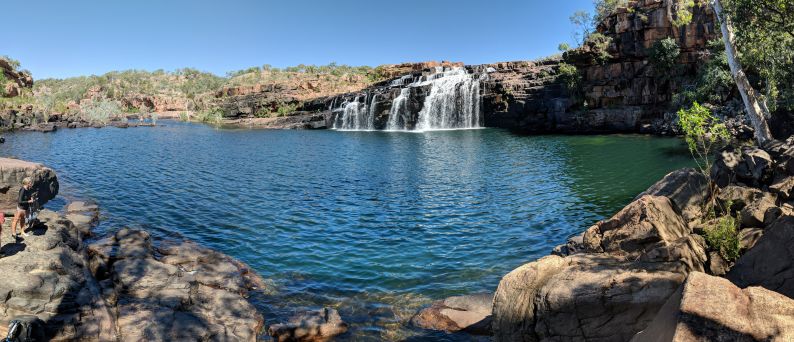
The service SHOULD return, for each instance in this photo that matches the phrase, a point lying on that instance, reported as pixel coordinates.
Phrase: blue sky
(57, 38)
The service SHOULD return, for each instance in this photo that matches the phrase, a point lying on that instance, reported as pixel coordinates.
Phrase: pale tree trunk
(756, 110)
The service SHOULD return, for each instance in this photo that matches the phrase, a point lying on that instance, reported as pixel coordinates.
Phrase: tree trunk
(755, 109)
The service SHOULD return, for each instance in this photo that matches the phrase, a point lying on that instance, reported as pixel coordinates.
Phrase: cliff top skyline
(57, 39)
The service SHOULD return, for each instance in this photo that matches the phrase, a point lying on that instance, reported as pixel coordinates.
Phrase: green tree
(584, 23)
(703, 132)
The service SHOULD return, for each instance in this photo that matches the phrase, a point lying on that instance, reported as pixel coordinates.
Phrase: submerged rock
(469, 313)
(708, 308)
(309, 326)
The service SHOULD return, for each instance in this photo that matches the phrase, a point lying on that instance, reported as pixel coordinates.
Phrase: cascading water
(453, 102)
(398, 112)
(353, 116)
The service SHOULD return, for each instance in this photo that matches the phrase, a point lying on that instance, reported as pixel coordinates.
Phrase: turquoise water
(374, 223)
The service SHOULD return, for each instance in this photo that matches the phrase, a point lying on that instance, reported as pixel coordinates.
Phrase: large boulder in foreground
(469, 313)
(770, 263)
(13, 171)
(632, 263)
(708, 308)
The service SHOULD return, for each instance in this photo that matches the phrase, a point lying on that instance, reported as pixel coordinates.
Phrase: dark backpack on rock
(25, 329)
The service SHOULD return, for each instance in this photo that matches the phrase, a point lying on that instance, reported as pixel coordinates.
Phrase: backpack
(25, 329)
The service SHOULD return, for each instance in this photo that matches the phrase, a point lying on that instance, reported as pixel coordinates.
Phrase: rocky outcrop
(469, 313)
(124, 287)
(173, 290)
(629, 266)
(13, 171)
(15, 80)
(708, 308)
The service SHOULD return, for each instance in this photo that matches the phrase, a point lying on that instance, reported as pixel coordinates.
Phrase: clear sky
(58, 38)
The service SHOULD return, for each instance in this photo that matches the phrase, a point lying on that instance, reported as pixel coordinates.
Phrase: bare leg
(19, 217)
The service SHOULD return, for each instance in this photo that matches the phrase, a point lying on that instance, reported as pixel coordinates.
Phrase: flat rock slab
(181, 291)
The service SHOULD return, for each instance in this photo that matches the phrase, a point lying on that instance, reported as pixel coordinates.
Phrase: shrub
(211, 115)
(723, 237)
(571, 79)
(664, 56)
(100, 111)
(599, 45)
(563, 47)
(704, 133)
(183, 116)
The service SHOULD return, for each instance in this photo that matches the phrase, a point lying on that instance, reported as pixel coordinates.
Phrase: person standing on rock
(23, 205)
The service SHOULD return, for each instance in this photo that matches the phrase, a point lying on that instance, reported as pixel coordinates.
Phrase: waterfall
(453, 102)
(352, 117)
(398, 110)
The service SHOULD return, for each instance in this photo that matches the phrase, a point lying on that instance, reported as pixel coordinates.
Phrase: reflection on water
(374, 223)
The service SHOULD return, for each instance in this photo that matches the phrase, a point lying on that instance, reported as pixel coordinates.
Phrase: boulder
(637, 228)
(708, 308)
(751, 166)
(469, 313)
(755, 213)
(783, 187)
(688, 189)
(630, 265)
(581, 297)
(309, 326)
(13, 171)
(575, 244)
(752, 204)
(770, 263)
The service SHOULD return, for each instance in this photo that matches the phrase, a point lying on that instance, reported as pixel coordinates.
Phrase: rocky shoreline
(648, 274)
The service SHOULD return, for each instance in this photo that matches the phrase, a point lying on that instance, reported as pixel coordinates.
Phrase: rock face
(314, 326)
(629, 267)
(686, 188)
(16, 79)
(470, 313)
(770, 263)
(189, 293)
(708, 308)
(13, 171)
